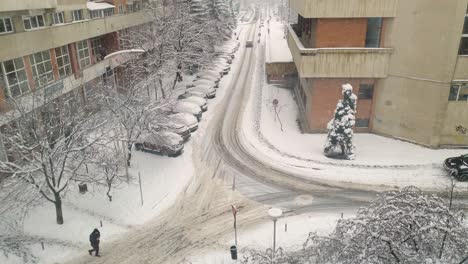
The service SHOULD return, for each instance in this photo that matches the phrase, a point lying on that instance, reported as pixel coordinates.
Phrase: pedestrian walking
(94, 238)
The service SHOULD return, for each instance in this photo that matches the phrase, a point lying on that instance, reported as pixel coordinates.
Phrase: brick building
(59, 46)
(407, 62)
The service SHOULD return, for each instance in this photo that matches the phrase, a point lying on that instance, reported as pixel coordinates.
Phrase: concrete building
(407, 62)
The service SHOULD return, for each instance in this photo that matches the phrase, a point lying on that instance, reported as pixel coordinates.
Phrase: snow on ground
(380, 161)
(163, 178)
(277, 49)
(291, 233)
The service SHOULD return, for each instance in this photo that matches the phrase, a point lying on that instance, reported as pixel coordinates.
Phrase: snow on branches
(340, 136)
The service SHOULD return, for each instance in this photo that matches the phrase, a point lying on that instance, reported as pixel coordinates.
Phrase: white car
(161, 143)
(192, 93)
(188, 108)
(187, 119)
(202, 103)
(203, 82)
(173, 126)
(208, 90)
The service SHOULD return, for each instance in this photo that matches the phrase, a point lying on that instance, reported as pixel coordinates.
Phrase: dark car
(458, 167)
(164, 143)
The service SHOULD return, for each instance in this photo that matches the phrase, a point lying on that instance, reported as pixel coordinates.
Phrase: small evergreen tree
(340, 135)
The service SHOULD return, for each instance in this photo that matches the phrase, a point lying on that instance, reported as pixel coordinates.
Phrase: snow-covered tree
(340, 136)
(46, 145)
(404, 226)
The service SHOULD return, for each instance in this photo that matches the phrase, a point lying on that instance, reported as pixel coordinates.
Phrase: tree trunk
(58, 208)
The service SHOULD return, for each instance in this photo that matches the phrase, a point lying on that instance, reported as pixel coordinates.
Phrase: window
(130, 9)
(95, 14)
(33, 22)
(366, 91)
(463, 50)
(108, 12)
(98, 51)
(63, 61)
(83, 53)
(58, 18)
(362, 122)
(458, 92)
(77, 15)
(16, 78)
(42, 68)
(374, 27)
(121, 9)
(5, 25)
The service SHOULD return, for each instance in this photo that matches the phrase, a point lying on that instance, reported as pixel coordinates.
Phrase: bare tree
(46, 146)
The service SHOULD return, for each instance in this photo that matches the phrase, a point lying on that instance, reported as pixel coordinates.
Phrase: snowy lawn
(291, 233)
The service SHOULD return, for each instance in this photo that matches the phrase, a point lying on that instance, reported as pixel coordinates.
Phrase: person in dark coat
(94, 240)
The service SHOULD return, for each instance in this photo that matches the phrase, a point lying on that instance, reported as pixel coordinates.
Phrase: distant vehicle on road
(457, 167)
(163, 143)
(249, 44)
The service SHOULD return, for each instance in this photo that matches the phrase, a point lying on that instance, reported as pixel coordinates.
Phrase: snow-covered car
(170, 125)
(187, 94)
(214, 77)
(208, 90)
(188, 108)
(164, 143)
(188, 120)
(225, 57)
(457, 167)
(221, 69)
(202, 103)
(203, 82)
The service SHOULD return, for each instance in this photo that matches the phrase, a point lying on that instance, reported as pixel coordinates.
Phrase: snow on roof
(98, 6)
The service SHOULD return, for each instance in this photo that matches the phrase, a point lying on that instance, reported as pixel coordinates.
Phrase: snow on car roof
(163, 137)
(194, 99)
(183, 117)
(201, 87)
(187, 106)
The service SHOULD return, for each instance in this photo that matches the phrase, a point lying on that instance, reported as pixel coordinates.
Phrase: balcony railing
(19, 44)
(338, 62)
(344, 8)
(15, 5)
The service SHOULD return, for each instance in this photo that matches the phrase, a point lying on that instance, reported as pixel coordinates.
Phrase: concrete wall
(461, 70)
(348, 8)
(412, 103)
(341, 32)
(19, 44)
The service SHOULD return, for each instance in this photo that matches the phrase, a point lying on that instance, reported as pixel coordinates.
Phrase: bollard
(286, 227)
(101, 222)
(42, 245)
(234, 252)
(341, 214)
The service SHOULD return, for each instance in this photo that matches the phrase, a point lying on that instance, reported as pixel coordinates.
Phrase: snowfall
(379, 161)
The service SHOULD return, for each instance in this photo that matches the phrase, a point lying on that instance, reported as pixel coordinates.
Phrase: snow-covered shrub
(340, 135)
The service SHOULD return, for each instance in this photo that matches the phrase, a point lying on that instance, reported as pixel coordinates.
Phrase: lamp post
(274, 213)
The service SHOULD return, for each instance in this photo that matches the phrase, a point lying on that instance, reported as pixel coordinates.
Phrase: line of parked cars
(168, 136)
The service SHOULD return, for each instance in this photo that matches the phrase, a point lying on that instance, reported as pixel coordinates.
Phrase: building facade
(407, 62)
(58, 47)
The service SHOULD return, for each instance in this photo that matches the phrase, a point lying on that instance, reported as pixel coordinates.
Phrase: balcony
(19, 44)
(338, 62)
(344, 8)
(16, 5)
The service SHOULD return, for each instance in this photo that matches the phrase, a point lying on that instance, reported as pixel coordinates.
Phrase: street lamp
(274, 213)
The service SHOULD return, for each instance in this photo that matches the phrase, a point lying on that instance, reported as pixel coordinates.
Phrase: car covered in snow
(164, 143)
(173, 126)
(187, 94)
(201, 102)
(213, 76)
(203, 82)
(188, 120)
(208, 90)
(458, 167)
(188, 108)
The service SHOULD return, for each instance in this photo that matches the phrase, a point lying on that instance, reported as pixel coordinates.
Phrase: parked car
(173, 126)
(164, 143)
(209, 91)
(249, 43)
(203, 82)
(457, 167)
(202, 103)
(188, 108)
(188, 120)
(187, 94)
(207, 76)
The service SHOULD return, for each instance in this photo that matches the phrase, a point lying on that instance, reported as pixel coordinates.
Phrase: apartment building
(407, 62)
